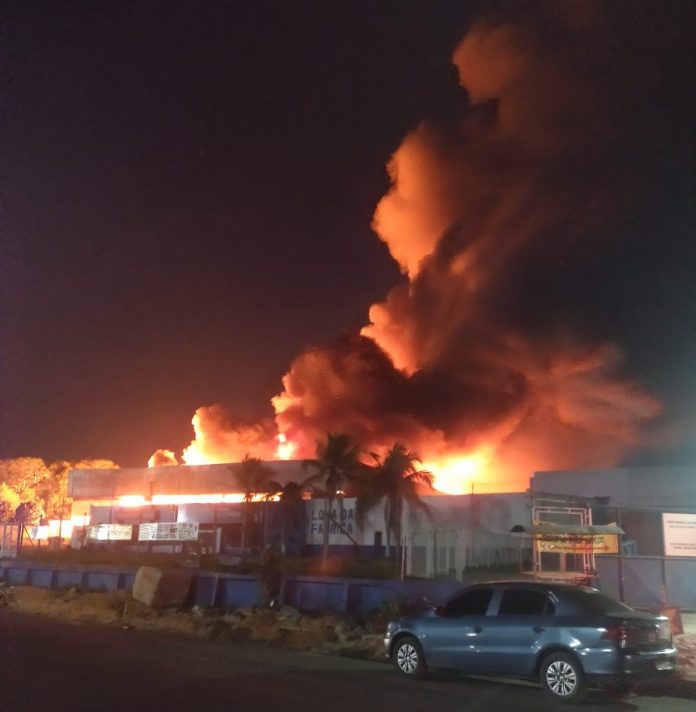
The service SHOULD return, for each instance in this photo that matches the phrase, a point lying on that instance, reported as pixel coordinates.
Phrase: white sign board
(110, 532)
(169, 531)
(680, 534)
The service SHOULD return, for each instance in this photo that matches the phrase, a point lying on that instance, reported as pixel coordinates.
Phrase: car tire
(408, 657)
(562, 677)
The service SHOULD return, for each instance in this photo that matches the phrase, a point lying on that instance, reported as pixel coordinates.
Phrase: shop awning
(566, 530)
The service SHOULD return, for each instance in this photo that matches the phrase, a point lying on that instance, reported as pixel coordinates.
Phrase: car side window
(525, 602)
(470, 603)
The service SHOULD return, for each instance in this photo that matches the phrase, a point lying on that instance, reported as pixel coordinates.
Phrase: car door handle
(478, 629)
(539, 629)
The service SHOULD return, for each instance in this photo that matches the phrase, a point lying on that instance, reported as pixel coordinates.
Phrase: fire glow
(286, 449)
(452, 363)
(458, 475)
(136, 500)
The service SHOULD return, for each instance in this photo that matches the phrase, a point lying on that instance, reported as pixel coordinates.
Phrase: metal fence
(649, 581)
(9, 540)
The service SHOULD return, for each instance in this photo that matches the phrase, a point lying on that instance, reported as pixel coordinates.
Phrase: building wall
(656, 486)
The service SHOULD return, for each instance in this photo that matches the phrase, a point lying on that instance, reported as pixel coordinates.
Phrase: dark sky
(188, 189)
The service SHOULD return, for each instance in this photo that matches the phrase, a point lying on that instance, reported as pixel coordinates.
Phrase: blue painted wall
(307, 593)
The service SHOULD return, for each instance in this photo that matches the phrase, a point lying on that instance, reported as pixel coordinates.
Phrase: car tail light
(665, 630)
(619, 634)
(628, 636)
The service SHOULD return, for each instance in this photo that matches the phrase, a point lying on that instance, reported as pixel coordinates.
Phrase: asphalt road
(47, 665)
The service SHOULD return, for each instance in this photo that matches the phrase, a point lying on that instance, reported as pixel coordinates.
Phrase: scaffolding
(565, 540)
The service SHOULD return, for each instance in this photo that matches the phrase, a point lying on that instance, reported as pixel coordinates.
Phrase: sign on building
(341, 524)
(110, 532)
(574, 544)
(169, 531)
(679, 534)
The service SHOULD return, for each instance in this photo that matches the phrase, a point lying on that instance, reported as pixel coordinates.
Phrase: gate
(9, 540)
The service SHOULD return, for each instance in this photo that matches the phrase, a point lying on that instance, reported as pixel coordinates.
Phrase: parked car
(567, 637)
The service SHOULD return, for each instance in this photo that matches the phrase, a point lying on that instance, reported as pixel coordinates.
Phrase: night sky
(187, 197)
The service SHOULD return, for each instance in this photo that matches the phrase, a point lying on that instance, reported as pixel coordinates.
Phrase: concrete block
(162, 588)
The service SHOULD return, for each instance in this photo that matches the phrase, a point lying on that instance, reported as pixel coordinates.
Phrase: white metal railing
(9, 540)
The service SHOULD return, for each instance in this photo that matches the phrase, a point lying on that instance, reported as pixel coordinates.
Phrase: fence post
(214, 595)
(620, 563)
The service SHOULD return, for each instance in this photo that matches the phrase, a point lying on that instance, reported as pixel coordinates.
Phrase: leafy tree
(29, 479)
(6, 511)
(23, 475)
(337, 463)
(254, 478)
(28, 514)
(393, 479)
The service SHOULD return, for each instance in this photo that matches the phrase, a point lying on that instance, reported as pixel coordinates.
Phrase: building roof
(173, 479)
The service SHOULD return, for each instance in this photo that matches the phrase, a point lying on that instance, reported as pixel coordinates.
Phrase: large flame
(459, 474)
(178, 499)
(286, 449)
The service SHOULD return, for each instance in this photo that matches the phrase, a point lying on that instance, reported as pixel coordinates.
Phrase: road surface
(52, 666)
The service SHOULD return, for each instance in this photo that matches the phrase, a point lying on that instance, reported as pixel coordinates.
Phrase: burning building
(208, 498)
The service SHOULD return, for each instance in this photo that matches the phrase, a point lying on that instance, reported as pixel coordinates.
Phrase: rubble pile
(286, 627)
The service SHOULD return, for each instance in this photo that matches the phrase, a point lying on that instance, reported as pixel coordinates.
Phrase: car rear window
(597, 603)
(525, 602)
(470, 603)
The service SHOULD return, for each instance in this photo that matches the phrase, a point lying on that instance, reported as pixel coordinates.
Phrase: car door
(454, 639)
(522, 619)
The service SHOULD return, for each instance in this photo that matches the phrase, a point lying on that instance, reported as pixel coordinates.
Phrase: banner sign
(110, 532)
(169, 531)
(576, 544)
(679, 534)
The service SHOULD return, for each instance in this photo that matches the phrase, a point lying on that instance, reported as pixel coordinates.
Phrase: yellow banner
(572, 544)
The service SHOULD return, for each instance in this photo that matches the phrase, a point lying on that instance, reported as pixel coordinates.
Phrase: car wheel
(408, 657)
(562, 677)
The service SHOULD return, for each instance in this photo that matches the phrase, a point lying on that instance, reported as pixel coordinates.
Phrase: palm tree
(254, 478)
(336, 463)
(393, 479)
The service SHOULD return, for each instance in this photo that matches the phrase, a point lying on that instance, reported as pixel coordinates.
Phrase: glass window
(593, 602)
(470, 603)
(525, 602)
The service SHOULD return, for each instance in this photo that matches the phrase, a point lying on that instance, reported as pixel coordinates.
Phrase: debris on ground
(285, 627)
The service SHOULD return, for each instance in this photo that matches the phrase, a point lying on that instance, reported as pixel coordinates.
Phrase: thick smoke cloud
(221, 438)
(530, 175)
(473, 353)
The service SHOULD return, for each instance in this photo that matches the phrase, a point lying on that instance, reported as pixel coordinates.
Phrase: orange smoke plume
(219, 438)
(472, 360)
(162, 458)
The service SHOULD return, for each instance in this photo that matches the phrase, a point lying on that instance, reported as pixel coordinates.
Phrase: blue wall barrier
(306, 593)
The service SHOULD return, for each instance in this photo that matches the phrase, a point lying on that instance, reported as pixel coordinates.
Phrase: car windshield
(597, 603)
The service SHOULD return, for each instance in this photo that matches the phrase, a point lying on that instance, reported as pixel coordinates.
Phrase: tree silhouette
(393, 479)
(254, 478)
(335, 464)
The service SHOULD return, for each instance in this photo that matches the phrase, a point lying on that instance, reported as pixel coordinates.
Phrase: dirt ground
(287, 627)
